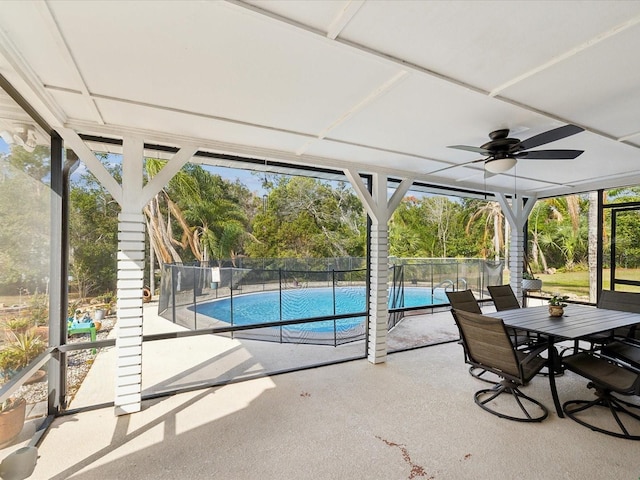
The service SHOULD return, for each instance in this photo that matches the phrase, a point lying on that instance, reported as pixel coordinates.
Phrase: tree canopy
(24, 216)
(200, 216)
(305, 217)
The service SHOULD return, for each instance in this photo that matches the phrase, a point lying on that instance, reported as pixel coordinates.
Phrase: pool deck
(187, 362)
(409, 418)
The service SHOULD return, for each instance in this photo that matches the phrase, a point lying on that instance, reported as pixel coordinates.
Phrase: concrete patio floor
(411, 417)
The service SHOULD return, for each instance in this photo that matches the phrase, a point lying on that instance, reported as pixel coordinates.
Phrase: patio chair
(626, 344)
(466, 301)
(488, 346)
(623, 302)
(503, 297)
(606, 378)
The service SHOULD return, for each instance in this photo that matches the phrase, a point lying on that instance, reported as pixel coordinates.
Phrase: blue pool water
(265, 307)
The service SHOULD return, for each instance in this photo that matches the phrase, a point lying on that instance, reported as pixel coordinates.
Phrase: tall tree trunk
(593, 247)
(539, 254)
(159, 236)
(506, 243)
(189, 235)
(497, 231)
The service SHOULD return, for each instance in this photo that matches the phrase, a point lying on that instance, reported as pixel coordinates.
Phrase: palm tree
(493, 218)
(203, 208)
(557, 230)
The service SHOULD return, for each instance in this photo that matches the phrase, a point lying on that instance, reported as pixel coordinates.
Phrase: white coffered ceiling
(380, 86)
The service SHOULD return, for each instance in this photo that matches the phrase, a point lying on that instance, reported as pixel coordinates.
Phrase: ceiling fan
(502, 153)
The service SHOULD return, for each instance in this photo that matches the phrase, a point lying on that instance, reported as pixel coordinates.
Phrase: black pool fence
(186, 289)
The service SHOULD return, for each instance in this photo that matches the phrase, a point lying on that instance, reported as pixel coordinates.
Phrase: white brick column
(128, 394)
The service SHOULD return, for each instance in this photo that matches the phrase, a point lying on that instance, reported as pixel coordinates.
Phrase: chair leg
(618, 408)
(524, 402)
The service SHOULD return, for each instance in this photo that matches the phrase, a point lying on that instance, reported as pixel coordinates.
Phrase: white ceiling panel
(481, 43)
(219, 60)
(598, 87)
(382, 86)
(404, 119)
(29, 28)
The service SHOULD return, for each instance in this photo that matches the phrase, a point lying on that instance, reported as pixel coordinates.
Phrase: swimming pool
(298, 303)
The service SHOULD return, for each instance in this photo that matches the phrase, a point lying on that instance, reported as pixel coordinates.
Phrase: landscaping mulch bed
(79, 363)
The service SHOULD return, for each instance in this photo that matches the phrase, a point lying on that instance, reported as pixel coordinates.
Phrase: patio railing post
(173, 292)
(195, 301)
(335, 333)
(280, 298)
(231, 299)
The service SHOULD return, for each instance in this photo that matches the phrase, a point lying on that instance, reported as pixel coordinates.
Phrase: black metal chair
(626, 344)
(621, 343)
(623, 350)
(465, 300)
(488, 346)
(612, 300)
(503, 297)
(623, 302)
(606, 378)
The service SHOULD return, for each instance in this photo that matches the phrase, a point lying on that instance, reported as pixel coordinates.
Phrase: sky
(251, 181)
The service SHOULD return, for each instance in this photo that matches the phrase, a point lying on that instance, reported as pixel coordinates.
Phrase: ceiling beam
(343, 18)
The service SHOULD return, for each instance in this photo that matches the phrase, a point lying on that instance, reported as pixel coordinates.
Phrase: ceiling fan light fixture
(500, 165)
(25, 137)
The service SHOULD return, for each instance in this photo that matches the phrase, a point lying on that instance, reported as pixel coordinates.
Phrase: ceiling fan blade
(550, 136)
(550, 154)
(482, 151)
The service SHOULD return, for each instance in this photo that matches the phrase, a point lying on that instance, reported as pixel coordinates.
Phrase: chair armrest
(537, 350)
(624, 353)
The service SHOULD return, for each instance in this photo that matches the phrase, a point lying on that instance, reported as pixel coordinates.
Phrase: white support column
(379, 296)
(516, 261)
(132, 196)
(379, 280)
(131, 237)
(380, 210)
(128, 394)
(516, 214)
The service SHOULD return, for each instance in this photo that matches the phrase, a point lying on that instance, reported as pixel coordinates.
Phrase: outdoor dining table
(578, 321)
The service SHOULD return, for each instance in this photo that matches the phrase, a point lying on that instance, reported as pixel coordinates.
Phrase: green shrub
(22, 350)
(9, 363)
(17, 324)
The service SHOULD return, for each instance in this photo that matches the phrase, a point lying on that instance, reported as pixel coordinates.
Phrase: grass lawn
(577, 283)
